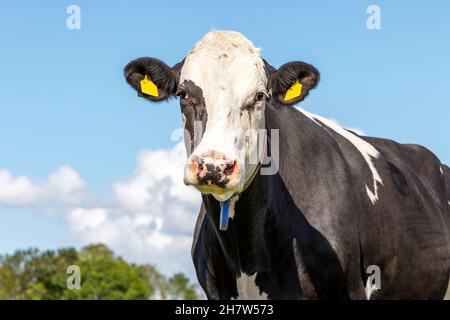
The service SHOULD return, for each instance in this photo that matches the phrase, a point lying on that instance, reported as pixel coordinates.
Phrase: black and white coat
(338, 204)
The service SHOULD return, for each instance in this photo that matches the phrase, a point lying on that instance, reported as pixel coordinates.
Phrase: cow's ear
(151, 78)
(291, 83)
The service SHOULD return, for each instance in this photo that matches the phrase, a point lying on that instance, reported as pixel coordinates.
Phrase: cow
(337, 206)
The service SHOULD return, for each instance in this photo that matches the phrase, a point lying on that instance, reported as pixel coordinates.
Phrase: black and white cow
(338, 203)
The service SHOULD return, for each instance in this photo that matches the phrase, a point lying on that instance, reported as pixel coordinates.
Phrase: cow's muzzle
(212, 172)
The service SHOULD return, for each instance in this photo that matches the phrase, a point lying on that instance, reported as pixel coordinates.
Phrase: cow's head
(223, 85)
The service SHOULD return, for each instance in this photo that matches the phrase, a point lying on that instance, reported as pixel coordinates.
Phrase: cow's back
(446, 173)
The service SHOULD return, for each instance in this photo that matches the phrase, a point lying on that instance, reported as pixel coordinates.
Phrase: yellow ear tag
(149, 87)
(294, 91)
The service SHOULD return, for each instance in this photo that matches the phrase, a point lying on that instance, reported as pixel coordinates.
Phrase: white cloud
(158, 176)
(64, 186)
(150, 218)
(86, 219)
(16, 191)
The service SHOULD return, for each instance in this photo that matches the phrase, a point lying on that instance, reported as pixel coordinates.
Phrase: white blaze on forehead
(229, 70)
(223, 61)
(366, 149)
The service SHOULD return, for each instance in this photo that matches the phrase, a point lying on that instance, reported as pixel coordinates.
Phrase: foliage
(30, 274)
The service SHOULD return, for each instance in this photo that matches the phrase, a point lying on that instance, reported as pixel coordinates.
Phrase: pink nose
(213, 167)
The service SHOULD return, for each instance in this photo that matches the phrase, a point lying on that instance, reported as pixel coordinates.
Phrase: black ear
(152, 78)
(291, 83)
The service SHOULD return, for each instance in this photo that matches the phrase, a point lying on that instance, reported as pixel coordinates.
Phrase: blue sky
(64, 101)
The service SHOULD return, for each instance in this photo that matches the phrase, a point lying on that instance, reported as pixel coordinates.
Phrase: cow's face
(223, 85)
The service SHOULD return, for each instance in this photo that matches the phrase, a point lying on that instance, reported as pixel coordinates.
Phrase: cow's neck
(244, 243)
(262, 221)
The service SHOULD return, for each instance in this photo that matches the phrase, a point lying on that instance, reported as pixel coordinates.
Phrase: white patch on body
(366, 149)
(229, 70)
(247, 288)
(442, 170)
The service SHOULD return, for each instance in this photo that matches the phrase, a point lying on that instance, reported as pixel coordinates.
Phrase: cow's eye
(260, 96)
(182, 94)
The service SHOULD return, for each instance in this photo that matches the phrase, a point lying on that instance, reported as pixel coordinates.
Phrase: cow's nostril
(229, 167)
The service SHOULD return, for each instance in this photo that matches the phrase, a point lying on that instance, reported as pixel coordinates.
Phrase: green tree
(12, 273)
(105, 277)
(180, 288)
(30, 274)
